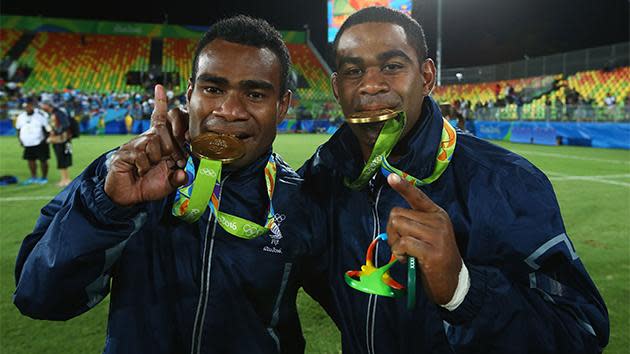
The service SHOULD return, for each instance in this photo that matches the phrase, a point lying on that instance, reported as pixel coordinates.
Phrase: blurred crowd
(81, 105)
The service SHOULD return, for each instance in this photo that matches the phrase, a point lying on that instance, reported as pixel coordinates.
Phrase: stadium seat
(9, 38)
(93, 63)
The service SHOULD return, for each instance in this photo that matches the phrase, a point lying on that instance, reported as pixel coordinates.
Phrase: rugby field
(592, 185)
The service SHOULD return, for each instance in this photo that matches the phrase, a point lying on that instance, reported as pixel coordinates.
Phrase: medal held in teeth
(219, 147)
(204, 185)
(381, 115)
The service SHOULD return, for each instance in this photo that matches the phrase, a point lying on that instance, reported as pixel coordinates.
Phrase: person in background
(128, 123)
(61, 139)
(611, 104)
(32, 127)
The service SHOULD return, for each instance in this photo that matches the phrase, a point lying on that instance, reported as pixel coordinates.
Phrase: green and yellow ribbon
(191, 200)
(388, 138)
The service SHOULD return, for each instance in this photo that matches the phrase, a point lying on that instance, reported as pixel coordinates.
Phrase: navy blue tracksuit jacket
(175, 287)
(529, 290)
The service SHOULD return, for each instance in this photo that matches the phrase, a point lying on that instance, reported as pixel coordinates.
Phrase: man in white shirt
(611, 103)
(32, 126)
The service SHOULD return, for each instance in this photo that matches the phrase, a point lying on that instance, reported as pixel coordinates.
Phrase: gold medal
(220, 147)
(372, 116)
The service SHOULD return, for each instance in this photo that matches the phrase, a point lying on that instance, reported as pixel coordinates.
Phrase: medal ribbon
(386, 141)
(191, 200)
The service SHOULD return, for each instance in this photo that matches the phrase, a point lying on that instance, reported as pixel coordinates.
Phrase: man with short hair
(32, 127)
(220, 284)
(497, 272)
(60, 137)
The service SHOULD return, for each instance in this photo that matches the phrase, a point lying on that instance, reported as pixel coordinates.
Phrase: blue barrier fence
(6, 127)
(601, 135)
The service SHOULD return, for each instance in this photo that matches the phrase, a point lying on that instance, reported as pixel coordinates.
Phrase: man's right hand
(150, 166)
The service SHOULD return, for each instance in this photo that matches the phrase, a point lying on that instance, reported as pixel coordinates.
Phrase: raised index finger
(160, 108)
(414, 196)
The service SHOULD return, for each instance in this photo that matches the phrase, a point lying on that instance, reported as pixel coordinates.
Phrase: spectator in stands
(60, 137)
(136, 111)
(146, 110)
(491, 110)
(518, 100)
(509, 93)
(100, 126)
(611, 104)
(559, 108)
(128, 123)
(626, 104)
(498, 271)
(4, 106)
(572, 98)
(170, 94)
(32, 127)
(465, 109)
(12, 88)
(302, 113)
(547, 108)
(180, 287)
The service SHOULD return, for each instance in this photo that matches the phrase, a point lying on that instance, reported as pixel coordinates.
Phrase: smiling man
(497, 270)
(179, 286)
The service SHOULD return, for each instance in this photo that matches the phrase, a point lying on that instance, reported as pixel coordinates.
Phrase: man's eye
(212, 90)
(256, 95)
(392, 67)
(352, 72)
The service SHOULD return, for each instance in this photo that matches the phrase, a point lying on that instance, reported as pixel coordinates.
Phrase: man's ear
(333, 81)
(283, 106)
(428, 73)
(189, 91)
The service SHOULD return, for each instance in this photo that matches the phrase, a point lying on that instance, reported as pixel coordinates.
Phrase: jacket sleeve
(316, 265)
(529, 292)
(64, 266)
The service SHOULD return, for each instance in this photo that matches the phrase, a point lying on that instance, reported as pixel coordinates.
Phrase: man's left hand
(425, 232)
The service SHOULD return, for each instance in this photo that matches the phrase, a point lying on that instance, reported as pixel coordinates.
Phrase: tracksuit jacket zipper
(371, 310)
(204, 291)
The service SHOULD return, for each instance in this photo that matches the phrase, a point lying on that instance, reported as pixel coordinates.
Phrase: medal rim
(368, 117)
(238, 147)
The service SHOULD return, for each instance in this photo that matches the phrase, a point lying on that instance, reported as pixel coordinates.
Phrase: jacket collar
(417, 150)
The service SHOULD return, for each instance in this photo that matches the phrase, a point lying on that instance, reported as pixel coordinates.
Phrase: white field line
(25, 199)
(562, 175)
(555, 176)
(572, 157)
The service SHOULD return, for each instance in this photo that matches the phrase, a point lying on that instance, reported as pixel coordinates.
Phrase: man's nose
(232, 108)
(373, 82)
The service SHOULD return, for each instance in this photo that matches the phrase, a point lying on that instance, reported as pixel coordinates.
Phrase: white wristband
(463, 285)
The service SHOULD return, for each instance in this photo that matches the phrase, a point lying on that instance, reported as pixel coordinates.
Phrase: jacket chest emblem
(275, 235)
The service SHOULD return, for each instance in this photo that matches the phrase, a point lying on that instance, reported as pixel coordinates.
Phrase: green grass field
(593, 188)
